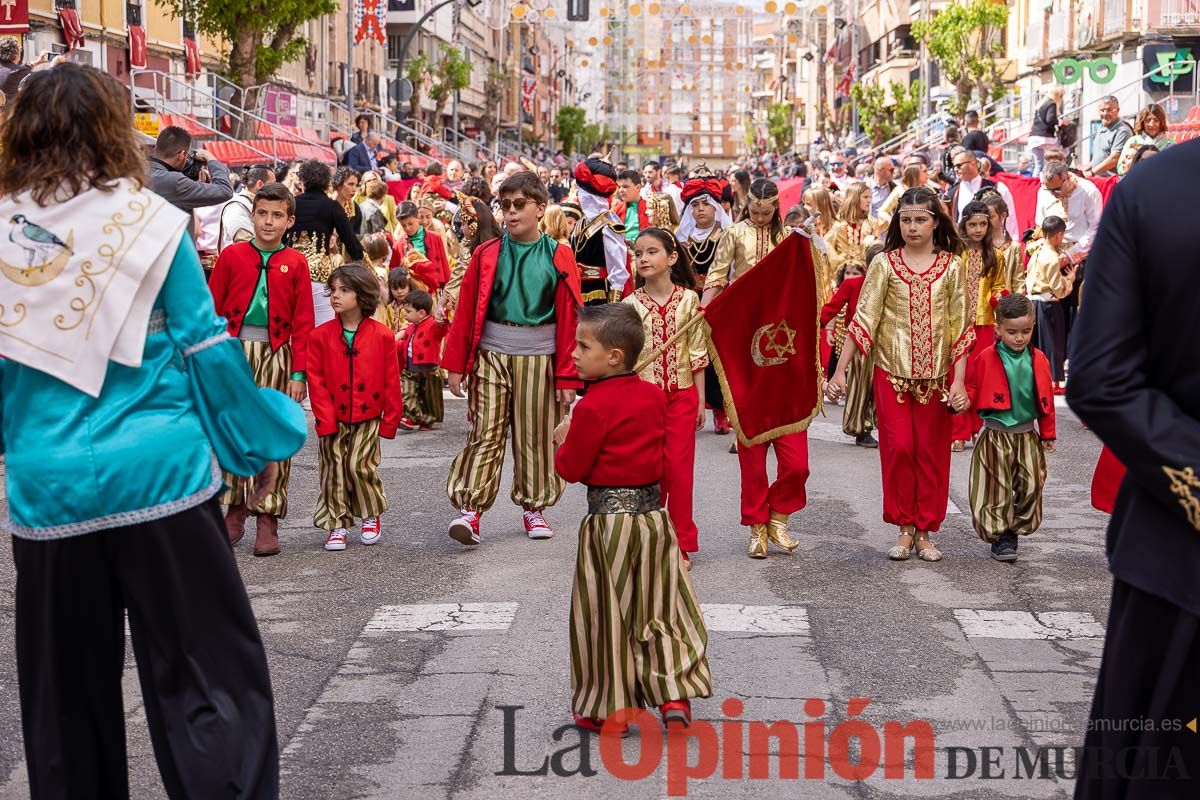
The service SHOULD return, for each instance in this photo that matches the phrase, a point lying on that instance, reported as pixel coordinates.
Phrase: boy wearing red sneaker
(512, 337)
(637, 634)
(263, 291)
(419, 349)
(354, 380)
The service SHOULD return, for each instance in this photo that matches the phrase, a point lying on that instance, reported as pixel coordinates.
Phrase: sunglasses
(518, 203)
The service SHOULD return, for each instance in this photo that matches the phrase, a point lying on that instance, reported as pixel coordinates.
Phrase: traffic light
(577, 10)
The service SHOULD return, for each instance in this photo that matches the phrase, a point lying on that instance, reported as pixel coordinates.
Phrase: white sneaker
(370, 532)
(535, 525)
(337, 539)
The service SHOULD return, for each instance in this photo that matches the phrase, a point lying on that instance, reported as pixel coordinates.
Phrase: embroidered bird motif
(36, 241)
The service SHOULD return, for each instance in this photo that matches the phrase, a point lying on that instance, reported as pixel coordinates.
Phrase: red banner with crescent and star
(762, 338)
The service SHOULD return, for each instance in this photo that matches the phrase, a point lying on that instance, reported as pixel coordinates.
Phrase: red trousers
(786, 495)
(965, 425)
(914, 453)
(683, 405)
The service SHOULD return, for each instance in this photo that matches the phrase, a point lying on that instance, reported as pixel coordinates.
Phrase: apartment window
(393, 48)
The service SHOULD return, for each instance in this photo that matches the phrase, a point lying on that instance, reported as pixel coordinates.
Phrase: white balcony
(1114, 19)
(1179, 13)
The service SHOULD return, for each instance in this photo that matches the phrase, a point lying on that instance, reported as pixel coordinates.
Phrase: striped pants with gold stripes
(1008, 471)
(637, 635)
(348, 464)
(422, 392)
(271, 371)
(859, 415)
(508, 391)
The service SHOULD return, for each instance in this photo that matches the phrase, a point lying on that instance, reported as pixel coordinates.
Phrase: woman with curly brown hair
(122, 397)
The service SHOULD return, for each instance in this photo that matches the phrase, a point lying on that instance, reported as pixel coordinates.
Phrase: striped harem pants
(422, 393)
(1008, 471)
(517, 392)
(637, 635)
(348, 464)
(859, 415)
(271, 371)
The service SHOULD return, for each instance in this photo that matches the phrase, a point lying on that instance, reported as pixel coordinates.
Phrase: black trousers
(200, 659)
(1050, 335)
(1136, 747)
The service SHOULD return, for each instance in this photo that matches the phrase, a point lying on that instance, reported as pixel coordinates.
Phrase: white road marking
(951, 508)
(442, 617)
(778, 620)
(1001, 624)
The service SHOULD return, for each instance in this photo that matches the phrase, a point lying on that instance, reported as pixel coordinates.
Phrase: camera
(191, 167)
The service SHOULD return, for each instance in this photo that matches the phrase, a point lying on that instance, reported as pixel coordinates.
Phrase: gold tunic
(847, 241)
(742, 246)
(673, 369)
(1014, 267)
(914, 324)
(979, 293)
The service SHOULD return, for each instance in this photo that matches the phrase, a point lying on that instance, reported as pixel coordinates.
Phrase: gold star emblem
(773, 344)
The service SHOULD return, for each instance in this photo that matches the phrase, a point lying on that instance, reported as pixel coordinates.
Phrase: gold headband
(983, 214)
(765, 200)
(914, 210)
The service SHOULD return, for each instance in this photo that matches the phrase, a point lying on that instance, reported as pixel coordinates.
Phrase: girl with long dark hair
(911, 316)
(984, 284)
(666, 300)
(765, 506)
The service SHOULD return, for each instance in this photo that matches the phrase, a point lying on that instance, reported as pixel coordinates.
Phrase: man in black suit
(1135, 381)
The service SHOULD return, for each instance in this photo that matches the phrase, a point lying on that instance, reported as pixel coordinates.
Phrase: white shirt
(616, 249)
(235, 220)
(966, 193)
(208, 223)
(670, 190)
(1084, 206)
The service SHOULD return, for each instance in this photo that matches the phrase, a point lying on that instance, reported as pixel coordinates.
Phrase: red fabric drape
(71, 26)
(137, 47)
(1025, 190)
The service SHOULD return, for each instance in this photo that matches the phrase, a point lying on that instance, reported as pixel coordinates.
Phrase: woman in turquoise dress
(121, 399)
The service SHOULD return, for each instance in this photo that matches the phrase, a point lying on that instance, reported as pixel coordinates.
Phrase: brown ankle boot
(266, 537)
(235, 523)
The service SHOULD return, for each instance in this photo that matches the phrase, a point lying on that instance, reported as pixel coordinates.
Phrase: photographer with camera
(187, 179)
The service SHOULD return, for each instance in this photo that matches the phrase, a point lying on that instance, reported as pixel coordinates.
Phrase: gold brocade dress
(913, 323)
(848, 241)
(674, 369)
(741, 247)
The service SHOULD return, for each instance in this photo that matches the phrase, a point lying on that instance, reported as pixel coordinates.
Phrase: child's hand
(835, 388)
(829, 337)
(1049, 446)
(560, 432)
(700, 417)
(297, 390)
(959, 400)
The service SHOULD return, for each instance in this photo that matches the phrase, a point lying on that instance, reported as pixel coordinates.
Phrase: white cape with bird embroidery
(78, 279)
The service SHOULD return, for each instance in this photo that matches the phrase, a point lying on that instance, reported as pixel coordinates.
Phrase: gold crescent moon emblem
(781, 349)
(39, 274)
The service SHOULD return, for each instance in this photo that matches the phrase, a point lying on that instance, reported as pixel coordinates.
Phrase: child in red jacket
(420, 349)
(858, 418)
(1011, 389)
(263, 290)
(354, 383)
(637, 635)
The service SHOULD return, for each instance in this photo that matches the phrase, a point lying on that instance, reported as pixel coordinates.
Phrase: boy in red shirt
(512, 336)
(354, 379)
(858, 418)
(263, 291)
(419, 349)
(631, 589)
(1012, 391)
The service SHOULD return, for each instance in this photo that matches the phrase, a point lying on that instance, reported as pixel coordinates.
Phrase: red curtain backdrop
(763, 341)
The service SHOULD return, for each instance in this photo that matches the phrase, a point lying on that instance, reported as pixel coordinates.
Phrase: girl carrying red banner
(765, 506)
(910, 315)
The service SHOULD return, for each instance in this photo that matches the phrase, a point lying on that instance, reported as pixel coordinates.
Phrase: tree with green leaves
(451, 73)
(592, 137)
(415, 71)
(493, 93)
(779, 125)
(966, 41)
(882, 118)
(261, 35)
(750, 134)
(570, 122)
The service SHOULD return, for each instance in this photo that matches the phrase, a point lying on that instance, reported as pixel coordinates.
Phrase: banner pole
(686, 328)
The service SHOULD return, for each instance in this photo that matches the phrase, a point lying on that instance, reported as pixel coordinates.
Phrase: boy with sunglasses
(512, 338)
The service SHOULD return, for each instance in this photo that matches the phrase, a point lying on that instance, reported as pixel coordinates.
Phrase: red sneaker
(721, 423)
(536, 526)
(370, 532)
(676, 712)
(406, 424)
(465, 529)
(595, 724)
(426, 427)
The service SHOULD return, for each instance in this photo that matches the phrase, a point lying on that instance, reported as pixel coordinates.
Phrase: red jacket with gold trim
(987, 386)
(289, 295)
(354, 384)
(462, 342)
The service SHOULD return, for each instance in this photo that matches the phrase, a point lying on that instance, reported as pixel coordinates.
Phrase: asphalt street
(398, 668)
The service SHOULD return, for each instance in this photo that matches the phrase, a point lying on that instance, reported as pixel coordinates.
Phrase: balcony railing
(1180, 13)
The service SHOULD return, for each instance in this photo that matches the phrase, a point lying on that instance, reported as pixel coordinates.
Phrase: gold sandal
(900, 552)
(928, 553)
